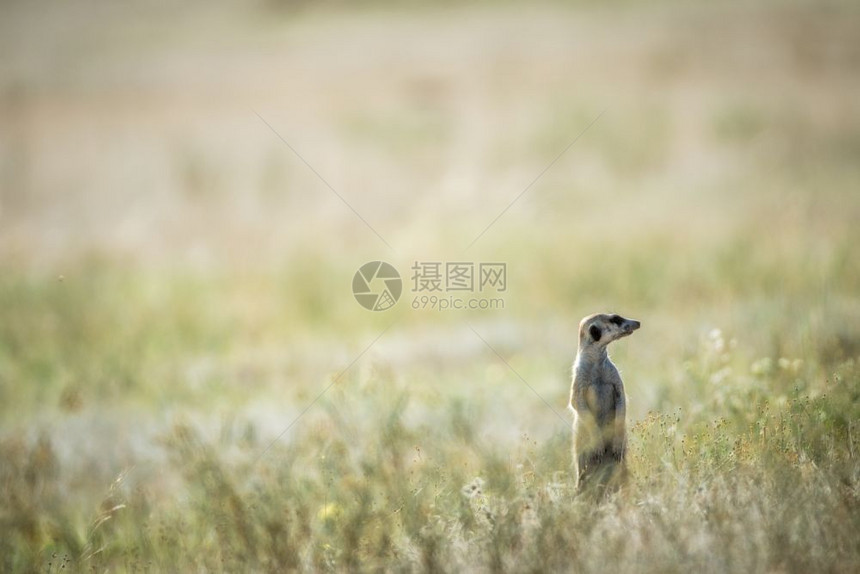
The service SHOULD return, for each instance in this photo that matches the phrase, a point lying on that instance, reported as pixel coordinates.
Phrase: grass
(745, 458)
(760, 476)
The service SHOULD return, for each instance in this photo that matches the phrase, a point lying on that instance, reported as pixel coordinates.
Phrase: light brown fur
(598, 401)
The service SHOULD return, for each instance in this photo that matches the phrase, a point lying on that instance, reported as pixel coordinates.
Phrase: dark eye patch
(616, 320)
(595, 332)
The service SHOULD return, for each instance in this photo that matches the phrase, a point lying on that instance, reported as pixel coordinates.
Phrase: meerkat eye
(595, 332)
(616, 320)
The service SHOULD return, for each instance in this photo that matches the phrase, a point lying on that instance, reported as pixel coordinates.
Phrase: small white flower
(763, 366)
(474, 488)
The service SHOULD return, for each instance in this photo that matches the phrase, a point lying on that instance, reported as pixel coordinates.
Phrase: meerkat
(597, 399)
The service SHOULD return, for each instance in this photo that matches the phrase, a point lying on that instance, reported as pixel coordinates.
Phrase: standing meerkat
(597, 399)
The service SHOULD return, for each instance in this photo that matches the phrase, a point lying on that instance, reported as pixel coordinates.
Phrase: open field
(188, 384)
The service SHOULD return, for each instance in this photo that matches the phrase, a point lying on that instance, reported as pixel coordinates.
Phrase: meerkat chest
(600, 400)
(597, 389)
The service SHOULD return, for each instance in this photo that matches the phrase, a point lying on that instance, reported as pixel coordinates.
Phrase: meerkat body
(597, 399)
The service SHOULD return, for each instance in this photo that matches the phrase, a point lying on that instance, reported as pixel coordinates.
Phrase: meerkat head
(603, 328)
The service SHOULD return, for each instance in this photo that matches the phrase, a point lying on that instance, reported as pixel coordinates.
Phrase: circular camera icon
(377, 286)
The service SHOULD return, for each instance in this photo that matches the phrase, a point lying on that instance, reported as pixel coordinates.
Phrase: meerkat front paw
(618, 448)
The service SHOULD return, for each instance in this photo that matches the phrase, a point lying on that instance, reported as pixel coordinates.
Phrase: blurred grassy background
(175, 282)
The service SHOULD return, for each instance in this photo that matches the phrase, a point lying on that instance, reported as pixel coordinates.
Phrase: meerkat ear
(595, 333)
